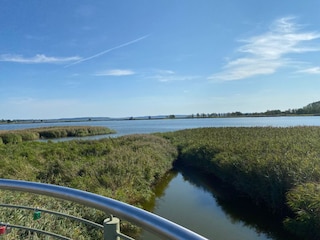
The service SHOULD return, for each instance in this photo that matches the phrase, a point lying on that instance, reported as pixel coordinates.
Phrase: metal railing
(148, 221)
(10, 226)
(41, 210)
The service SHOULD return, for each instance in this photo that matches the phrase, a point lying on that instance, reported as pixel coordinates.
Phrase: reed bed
(124, 168)
(278, 168)
(31, 134)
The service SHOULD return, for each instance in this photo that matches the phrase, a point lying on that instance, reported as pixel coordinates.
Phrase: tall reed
(272, 166)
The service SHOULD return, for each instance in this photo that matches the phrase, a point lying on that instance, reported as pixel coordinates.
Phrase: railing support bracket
(111, 228)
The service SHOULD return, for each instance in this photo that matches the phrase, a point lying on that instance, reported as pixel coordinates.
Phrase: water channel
(203, 204)
(197, 201)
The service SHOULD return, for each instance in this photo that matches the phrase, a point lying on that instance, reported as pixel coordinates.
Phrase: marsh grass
(17, 136)
(124, 168)
(278, 168)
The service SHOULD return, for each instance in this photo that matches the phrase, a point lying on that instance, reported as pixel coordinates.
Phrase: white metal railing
(148, 221)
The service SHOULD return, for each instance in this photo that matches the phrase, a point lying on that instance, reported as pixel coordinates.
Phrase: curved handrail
(146, 220)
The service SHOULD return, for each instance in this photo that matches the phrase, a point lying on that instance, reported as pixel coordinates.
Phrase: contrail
(108, 50)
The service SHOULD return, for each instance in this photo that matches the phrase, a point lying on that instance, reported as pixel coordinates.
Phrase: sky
(122, 58)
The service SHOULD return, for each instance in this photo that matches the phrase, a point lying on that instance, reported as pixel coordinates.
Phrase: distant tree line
(310, 109)
(6, 121)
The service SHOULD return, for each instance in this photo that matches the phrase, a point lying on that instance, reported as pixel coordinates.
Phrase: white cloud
(116, 72)
(313, 70)
(265, 53)
(247, 67)
(169, 72)
(39, 58)
(169, 76)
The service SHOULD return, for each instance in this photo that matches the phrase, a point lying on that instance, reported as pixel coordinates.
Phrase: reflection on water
(203, 204)
(159, 191)
(192, 200)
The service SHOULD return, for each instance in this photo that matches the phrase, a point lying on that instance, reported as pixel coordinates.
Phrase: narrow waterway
(202, 204)
(195, 201)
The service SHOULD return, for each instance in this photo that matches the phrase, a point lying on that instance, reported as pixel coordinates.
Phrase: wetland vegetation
(277, 168)
(124, 168)
(16, 136)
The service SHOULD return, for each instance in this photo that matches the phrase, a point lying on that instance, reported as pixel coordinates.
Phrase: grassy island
(16, 136)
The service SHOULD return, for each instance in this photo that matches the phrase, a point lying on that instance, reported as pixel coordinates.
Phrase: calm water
(150, 126)
(192, 200)
(202, 204)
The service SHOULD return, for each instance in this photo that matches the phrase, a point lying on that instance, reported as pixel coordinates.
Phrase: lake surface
(192, 200)
(125, 127)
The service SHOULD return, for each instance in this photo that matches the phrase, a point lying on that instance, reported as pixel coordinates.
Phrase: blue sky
(124, 58)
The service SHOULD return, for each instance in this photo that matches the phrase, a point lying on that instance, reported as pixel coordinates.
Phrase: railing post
(111, 227)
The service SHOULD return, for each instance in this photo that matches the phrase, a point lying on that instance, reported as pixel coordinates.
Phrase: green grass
(278, 168)
(275, 167)
(17, 136)
(124, 168)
